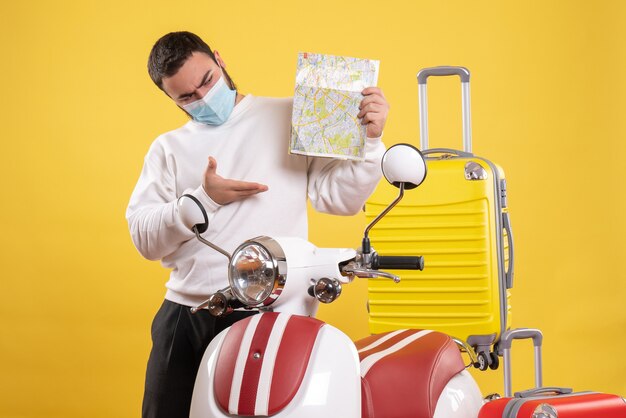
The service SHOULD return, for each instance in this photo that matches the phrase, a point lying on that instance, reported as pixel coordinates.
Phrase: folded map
(326, 102)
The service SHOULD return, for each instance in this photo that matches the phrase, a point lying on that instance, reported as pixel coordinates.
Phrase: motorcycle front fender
(331, 385)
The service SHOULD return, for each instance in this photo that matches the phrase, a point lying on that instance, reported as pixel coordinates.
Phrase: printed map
(326, 103)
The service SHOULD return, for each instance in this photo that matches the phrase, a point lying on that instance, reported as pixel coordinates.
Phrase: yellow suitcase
(458, 220)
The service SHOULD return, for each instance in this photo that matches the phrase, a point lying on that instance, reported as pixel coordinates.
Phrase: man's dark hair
(171, 51)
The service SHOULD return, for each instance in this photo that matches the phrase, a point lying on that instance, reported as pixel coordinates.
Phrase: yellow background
(78, 113)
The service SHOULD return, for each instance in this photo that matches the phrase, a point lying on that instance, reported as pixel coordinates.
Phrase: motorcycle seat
(404, 372)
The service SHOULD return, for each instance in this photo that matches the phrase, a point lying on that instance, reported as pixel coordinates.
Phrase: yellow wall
(78, 112)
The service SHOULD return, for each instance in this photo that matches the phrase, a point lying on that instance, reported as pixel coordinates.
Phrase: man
(257, 189)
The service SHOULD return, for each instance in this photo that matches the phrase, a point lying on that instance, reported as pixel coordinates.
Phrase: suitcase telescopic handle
(504, 349)
(422, 77)
(442, 71)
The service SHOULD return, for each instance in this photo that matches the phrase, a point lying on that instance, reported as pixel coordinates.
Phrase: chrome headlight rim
(279, 264)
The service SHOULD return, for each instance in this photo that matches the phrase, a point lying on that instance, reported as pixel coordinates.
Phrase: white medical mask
(216, 105)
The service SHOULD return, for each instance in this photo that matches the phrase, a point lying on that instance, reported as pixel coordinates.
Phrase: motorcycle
(285, 363)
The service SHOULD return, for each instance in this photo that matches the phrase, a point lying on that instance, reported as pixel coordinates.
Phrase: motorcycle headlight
(257, 272)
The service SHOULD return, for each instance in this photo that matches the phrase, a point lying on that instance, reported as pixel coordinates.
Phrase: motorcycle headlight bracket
(257, 272)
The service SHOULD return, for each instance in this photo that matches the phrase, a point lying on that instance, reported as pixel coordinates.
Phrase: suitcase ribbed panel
(458, 292)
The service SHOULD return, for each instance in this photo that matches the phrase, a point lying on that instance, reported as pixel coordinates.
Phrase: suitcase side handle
(506, 224)
(422, 77)
(548, 390)
(504, 349)
(447, 151)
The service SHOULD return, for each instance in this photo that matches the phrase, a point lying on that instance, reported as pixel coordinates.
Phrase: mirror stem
(205, 242)
(366, 241)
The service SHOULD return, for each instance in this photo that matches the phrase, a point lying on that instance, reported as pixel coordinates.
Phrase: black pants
(179, 339)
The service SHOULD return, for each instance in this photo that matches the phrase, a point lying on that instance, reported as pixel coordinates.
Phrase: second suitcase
(545, 402)
(553, 403)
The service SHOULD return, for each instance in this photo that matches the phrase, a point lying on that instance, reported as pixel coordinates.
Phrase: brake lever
(365, 273)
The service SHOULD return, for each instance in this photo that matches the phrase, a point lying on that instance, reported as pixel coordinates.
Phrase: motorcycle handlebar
(400, 262)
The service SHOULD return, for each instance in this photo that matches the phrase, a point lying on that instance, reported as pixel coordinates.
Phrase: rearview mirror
(403, 163)
(192, 213)
(194, 217)
(404, 166)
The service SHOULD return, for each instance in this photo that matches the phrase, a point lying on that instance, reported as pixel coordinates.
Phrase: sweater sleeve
(152, 214)
(341, 187)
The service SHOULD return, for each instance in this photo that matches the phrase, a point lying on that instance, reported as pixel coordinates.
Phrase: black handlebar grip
(399, 262)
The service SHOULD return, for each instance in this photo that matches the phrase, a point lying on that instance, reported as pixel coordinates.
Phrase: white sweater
(252, 146)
